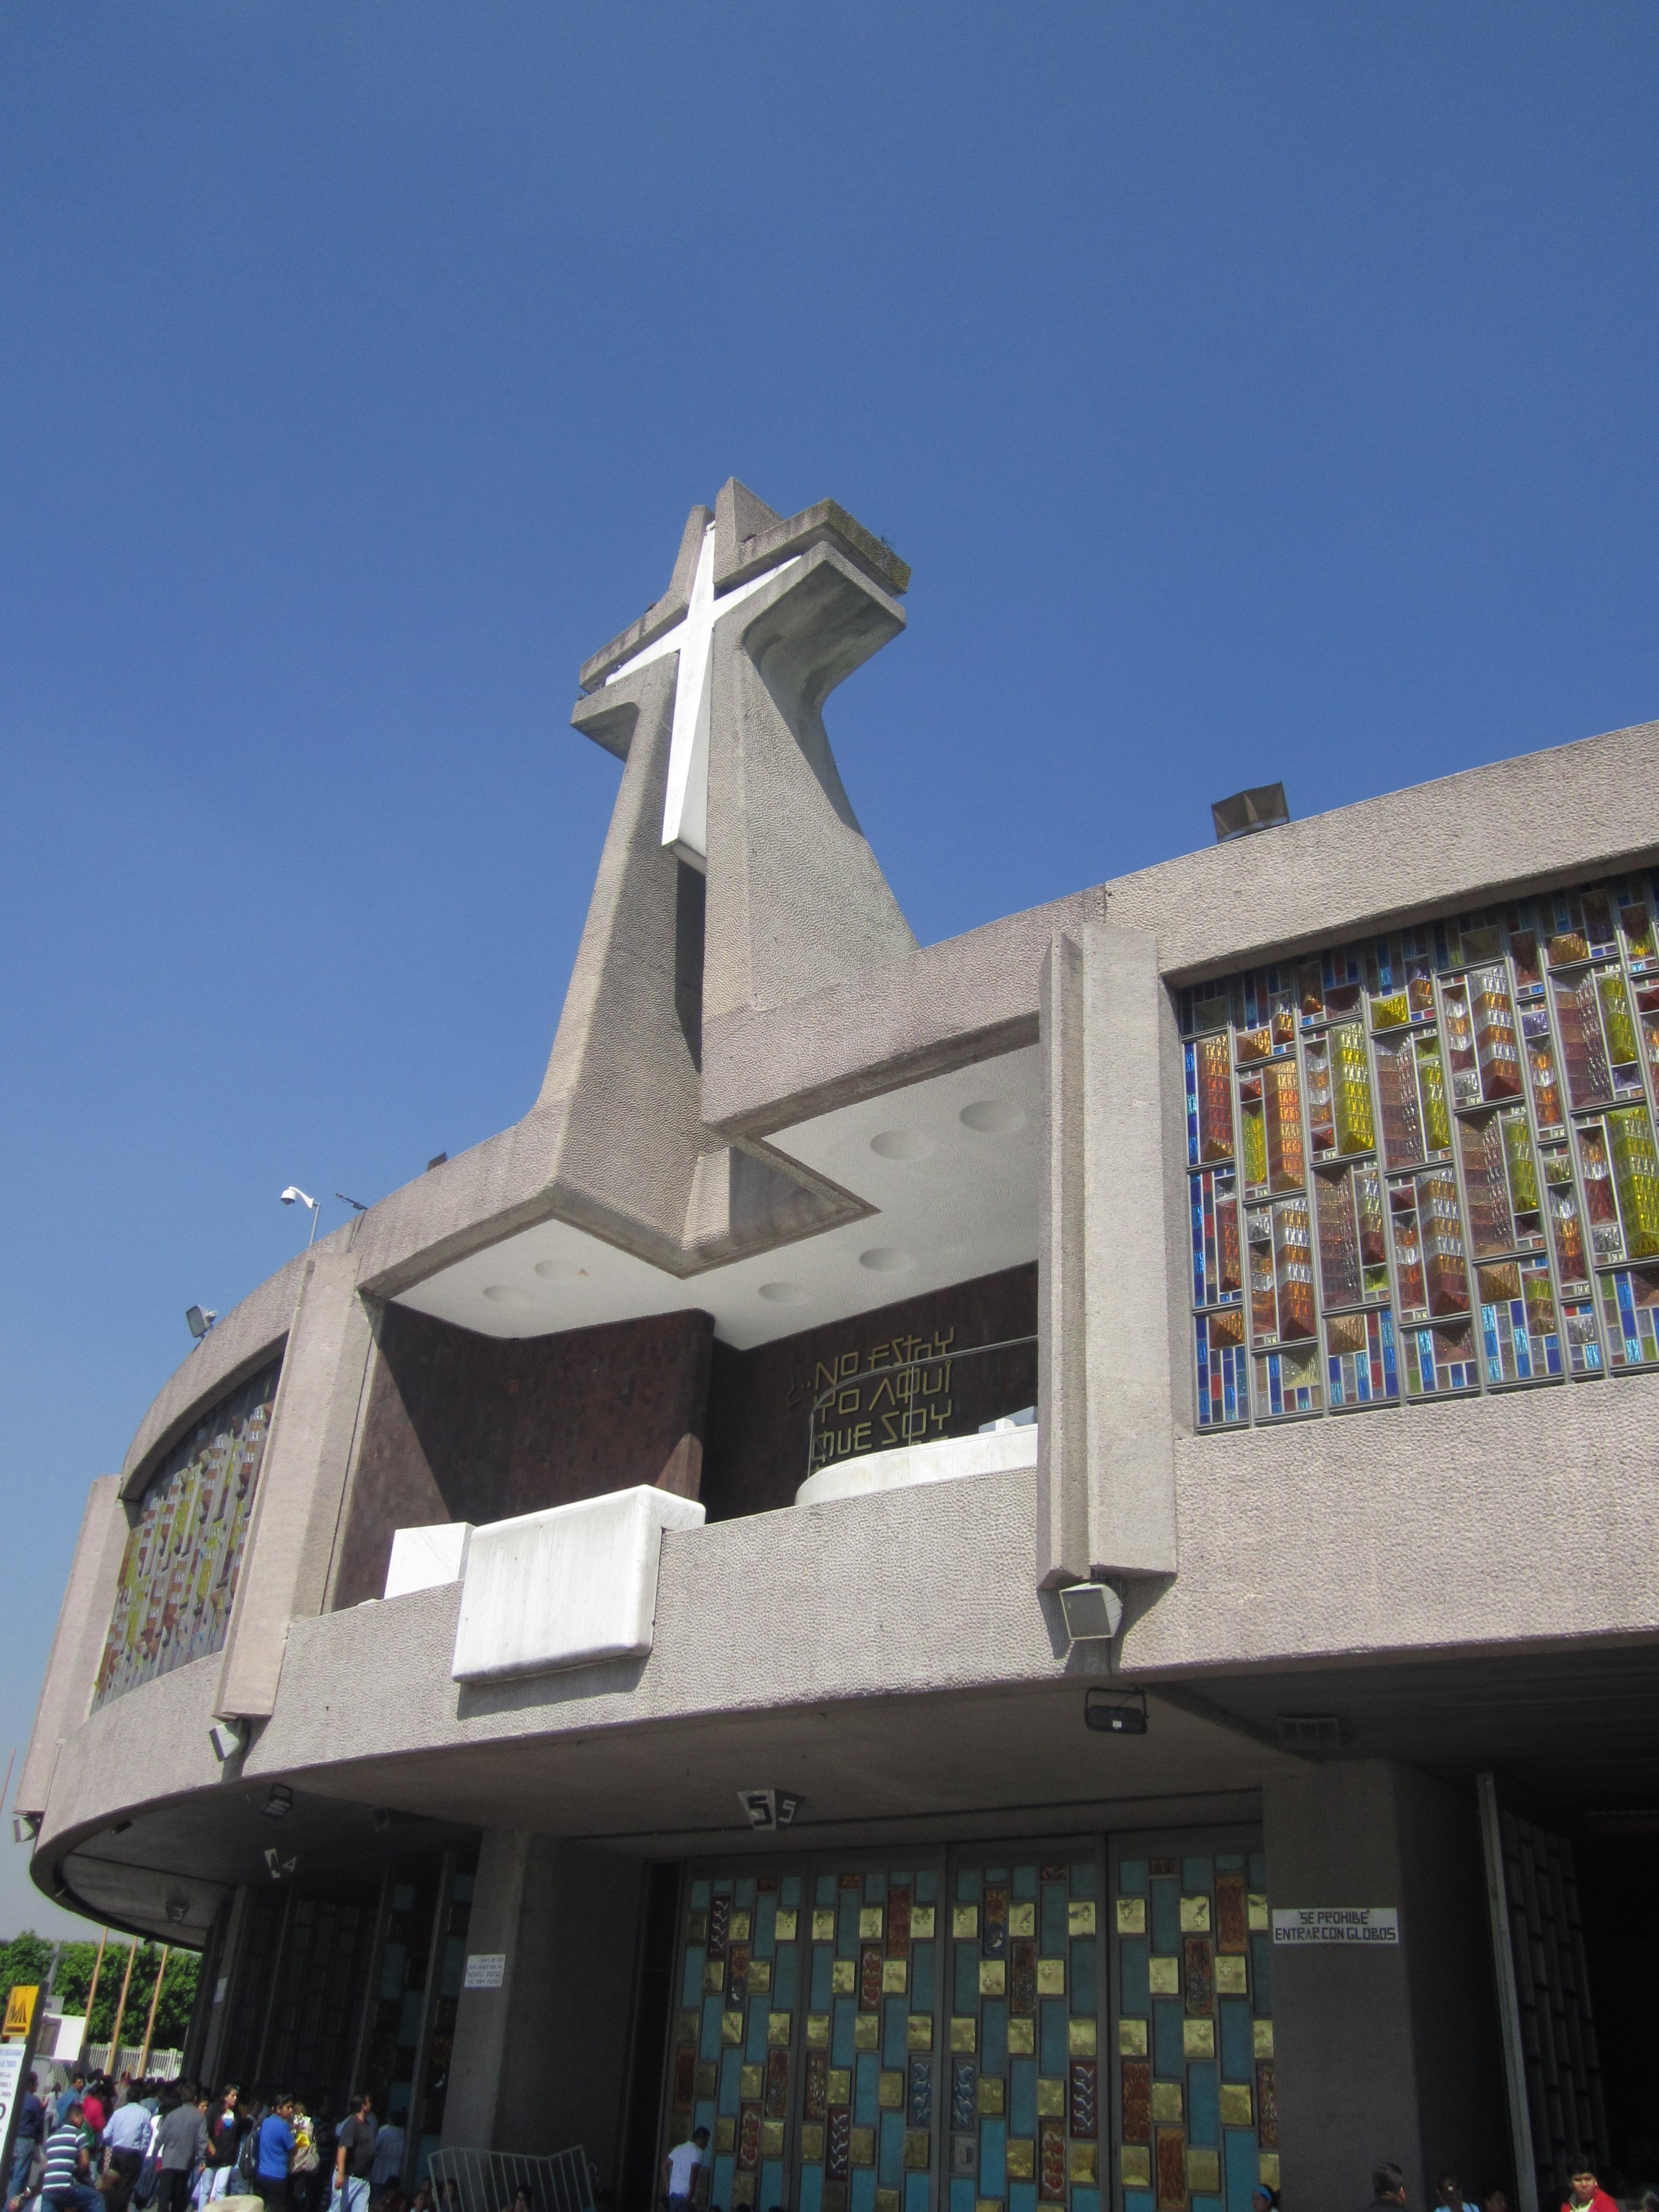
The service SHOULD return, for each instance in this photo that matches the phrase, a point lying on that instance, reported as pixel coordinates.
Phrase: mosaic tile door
(1196, 2113)
(1024, 2117)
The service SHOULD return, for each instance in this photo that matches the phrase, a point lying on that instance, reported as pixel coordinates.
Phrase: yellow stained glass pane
(922, 1924)
(817, 2031)
(895, 1977)
(1203, 2171)
(867, 2031)
(1256, 1909)
(1022, 1920)
(889, 2092)
(919, 2031)
(1081, 2038)
(992, 1977)
(1236, 2111)
(1195, 1916)
(1198, 2037)
(783, 1928)
(1080, 1918)
(1084, 2164)
(964, 1921)
(777, 2027)
(1164, 1976)
(1132, 2037)
(1022, 2037)
(1051, 2096)
(1132, 1916)
(962, 2033)
(843, 1977)
(870, 1923)
(1134, 2164)
(824, 1926)
(1051, 1977)
(1166, 2103)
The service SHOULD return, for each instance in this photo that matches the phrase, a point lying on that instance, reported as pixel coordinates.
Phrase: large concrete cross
(685, 813)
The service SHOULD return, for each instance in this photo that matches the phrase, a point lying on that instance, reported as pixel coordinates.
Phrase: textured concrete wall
(463, 1427)
(77, 1644)
(540, 2064)
(1383, 2054)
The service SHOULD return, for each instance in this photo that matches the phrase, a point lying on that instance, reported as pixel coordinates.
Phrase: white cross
(685, 816)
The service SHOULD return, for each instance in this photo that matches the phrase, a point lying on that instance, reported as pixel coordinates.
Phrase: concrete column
(540, 2064)
(1383, 2054)
(297, 1505)
(77, 1647)
(220, 1964)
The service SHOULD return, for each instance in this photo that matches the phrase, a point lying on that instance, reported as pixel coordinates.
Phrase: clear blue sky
(1256, 392)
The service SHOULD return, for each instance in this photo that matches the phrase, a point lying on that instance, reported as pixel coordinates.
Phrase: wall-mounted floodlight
(1093, 1612)
(295, 1196)
(1263, 807)
(200, 1320)
(227, 1738)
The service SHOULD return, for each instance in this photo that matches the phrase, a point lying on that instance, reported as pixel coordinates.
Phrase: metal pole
(150, 2024)
(120, 2013)
(92, 1993)
(1509, 1998)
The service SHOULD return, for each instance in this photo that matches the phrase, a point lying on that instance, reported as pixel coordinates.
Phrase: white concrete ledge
(994, 1453)
(423, 1559)
(567, 1588)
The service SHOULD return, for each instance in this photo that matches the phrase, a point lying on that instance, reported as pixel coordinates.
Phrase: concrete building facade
(1013, 1572)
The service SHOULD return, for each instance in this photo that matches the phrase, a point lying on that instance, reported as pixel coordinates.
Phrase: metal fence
(161, 2065)
(490, 2180)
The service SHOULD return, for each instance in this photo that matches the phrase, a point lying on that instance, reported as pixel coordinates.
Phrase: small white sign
(221, 1989)
(485, 1969)
(11, 2069)
(1338, 1924)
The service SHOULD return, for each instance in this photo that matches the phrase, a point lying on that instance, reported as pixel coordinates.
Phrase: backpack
(247, 2159)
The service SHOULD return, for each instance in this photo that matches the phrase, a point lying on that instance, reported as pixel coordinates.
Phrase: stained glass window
(179, 1575)
(1423, 1165)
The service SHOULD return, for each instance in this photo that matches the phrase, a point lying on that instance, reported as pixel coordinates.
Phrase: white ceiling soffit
(953, 1165)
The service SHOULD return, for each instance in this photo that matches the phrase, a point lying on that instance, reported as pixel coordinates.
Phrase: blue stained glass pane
(772, 2182)
(1134, 1992)
(993, 2157)
(1083, 1975)
(963, 2193)
(724, 2169)
(846, 1925)
(1229, 1861)
(1085, 2200)
(699, 1895)
(1132, 1882)
(923, 1957)
(755, 2047)
(1194, 1875)
(731, 2075)
(928, 1887)
(723, 1886)
(745, 1892)
(823, 1959)
(766, 1927)
(890, 2153)
(996, 1874)
(1203, 2107)
(825, 1893)
(1137, 2200)
(789, 1894)
(1052, 1936)
(1166, 1917)
(811, 2189)
(1168, 2052)
(918, 2193)
(841, 2032)
(1026, 1881)
(1206, 2204)
(994, 2038)
(861, 2192)
(894, 2010)
(866, 2074)
(968, 1880)
(691, 1984)
(1022, 2096)
(708, 2045)
(1258, 1870)
(875, 1889)
(967, 1977)
(1052, 2037)
(1240, 2168)
(1021, 2197)
(785, 1974)
(1083, 1877)
(1237, 2040)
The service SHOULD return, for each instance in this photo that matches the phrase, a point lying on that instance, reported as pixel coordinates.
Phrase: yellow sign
(20, 2010)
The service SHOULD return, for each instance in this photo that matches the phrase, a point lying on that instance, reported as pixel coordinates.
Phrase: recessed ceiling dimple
(783, 1294)
(559, 1271)
(901, 1145)
(506, 1294)
(886, 1259)
(993, 1117)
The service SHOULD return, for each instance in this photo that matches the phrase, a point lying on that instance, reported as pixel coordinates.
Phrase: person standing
(682, 2168)
(354, 2156)
(276, 2152)
(224, 2139)
(388, 2157)
(31, 2135)
(126, 2138)
(1450, 2195)
(66, 2187)
(181, 2142)
(1587, 2194)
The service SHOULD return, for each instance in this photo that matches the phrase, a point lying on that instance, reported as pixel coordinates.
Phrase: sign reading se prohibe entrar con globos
(1338, 1924)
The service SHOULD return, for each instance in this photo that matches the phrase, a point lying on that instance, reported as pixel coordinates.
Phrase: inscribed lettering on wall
(1424, 1164)
(178, 1576)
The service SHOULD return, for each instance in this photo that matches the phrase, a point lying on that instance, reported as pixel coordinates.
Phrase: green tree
(25, 1958)
(28, 1958)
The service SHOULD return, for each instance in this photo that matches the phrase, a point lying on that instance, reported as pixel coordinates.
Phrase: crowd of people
(171, 2147)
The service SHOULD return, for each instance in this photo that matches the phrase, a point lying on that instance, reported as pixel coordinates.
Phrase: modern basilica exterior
(1016, 1574)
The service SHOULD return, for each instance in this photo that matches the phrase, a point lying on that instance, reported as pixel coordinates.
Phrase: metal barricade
(489, 2180)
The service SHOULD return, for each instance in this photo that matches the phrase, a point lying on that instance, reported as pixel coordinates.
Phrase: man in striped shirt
(65, 2188)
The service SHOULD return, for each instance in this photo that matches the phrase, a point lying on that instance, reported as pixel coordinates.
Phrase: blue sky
(1255, 393)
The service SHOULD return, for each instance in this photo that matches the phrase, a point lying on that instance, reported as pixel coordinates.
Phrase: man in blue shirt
(276, 2152)
(65, 2187)
(31, 2133)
